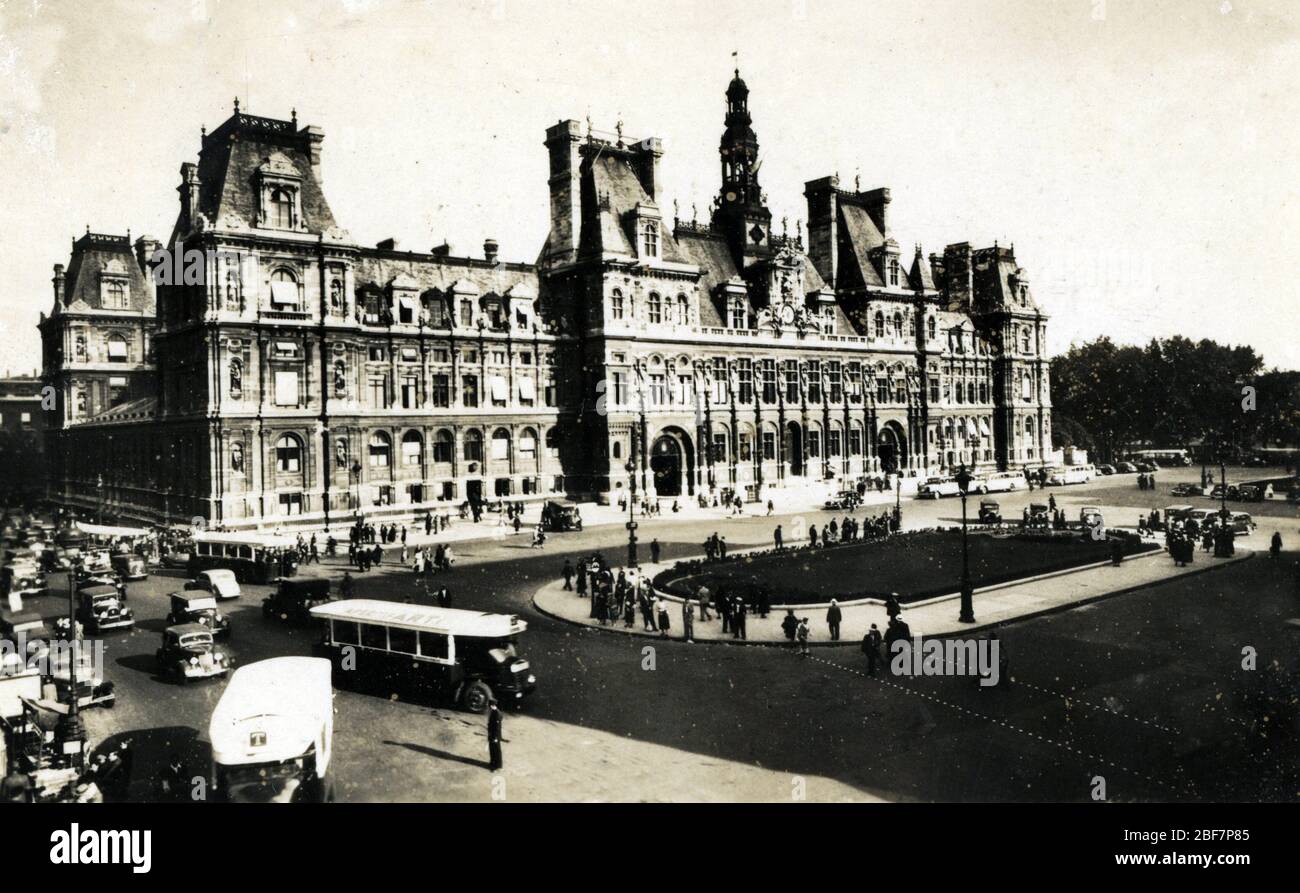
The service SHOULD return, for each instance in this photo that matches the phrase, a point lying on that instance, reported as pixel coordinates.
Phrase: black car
(557, 516)
(196, 606)
(99, 609)
(293, 600)
(188, 652)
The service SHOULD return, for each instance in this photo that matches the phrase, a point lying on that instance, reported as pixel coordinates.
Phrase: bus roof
(269, 540)
(454, 621)
(271, 710)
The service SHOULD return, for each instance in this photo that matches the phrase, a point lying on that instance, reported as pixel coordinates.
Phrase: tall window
(880, 324)
(620, 388)
(656, 309)
(745, 380)
(893, 271)
(616, 304)
(412, 447)
(466, 312)
(379, 393)
(381, 450)
(790, 370)
(834, 381)
(440, 391)
(898, 325)
(469, 390)
(280, 212)
(442, 446)
(650, 238)
(683, 310)
(501, 444)
(115, 298)
(117, 352)
(1024, 340)
(769, 381)
(288, 455)
(658, 389)
(284, 290)
(929, 328)
(814, 381)
(738, 317)
(473, 445)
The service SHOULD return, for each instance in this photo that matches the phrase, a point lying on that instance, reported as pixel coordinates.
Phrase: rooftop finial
(785, 226)
(236, 105)
(619, 127)
(293, 116)
(675, 215)
(857, 181)
(589, 124)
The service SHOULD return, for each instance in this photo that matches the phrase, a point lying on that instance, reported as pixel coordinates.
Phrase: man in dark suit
(494, 735)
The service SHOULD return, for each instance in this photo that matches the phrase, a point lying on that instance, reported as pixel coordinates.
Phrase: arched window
(1024, 340)
(284, 290)
(618, 449)
(1026, 387)
(738, 316)
(473, 445)
(898, 325)
(236, 379)
(117, 349)
(381, 450)
(616, 304)
(880, 324)
(552, 441)
(288, 454)
(501, 444)
(280, 212)
(528, 444)
(970, 392)
(412, 448)
(443, 445)
(656, 308)
(683, 310)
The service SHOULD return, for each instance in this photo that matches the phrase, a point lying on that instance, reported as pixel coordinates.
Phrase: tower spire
(740, 210)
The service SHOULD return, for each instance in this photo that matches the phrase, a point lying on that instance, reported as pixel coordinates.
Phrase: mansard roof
(245, 147)
(997, 280)
(435, 271)
(862, 236)
(612, 193)
(95, 256)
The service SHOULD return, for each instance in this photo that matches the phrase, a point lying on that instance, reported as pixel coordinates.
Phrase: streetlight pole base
(967, 614)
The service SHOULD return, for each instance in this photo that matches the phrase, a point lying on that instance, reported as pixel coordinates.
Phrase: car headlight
(218, 657)
(194, 661)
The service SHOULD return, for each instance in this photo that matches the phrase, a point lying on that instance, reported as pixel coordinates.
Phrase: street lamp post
(630, 468)
(355, 473)
(967, 615)
(69, 731)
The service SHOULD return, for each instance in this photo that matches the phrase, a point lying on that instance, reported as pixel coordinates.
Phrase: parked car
(1125, 468)
(1105, 469)
(1249, 493)
(195, 606)
(1185, 490)
(1147, 467)
(1039, 514)
(293, 600)
(219, 581)
(1090, 516)
(1241, 523)
(559, 516)
(188, 652)
(100, 609)
(31, 627)
(130, 567)
(990, 511)
(1218, 492)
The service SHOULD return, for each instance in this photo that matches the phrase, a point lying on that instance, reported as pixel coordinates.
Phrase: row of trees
(1173, 392)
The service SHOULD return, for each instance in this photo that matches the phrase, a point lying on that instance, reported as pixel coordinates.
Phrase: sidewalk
(994, 605)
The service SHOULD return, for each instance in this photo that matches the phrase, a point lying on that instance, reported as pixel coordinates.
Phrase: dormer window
(280, 209)
(828, 321)
(650, 238)
(115, 296)
(280, 192)
(738, 316)
(893, 271)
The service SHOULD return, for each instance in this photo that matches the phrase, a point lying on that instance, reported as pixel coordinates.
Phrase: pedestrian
(345, 585)
(801, 633)
(770, 508)
(703, 595)
(812, 535)
(871, 648)
(568, 575)
(789, 624)
(738, 620)
(833, 618)
(688, 620)
(629, 611)
(724, 609)
(1116, 552)
(1051, 503)
(777, 538)
(654, 551)
(582, 579)
(647, 611)
(1275, 545)
(722, 547)
(661, 609)
(892, 607)
(494, 736)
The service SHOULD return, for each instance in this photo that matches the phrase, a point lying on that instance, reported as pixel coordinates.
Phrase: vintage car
(845, 499)
(188, 652)
(199, 607)
(1039, 514)
(1220, 491)
(1090, 516)
(293, 600)
(219, 582)
(1105, 469)
(99, 608)
(1250, 493)
(92, 689)
(990, 511)
(1241, 523)
(24, 578)
(30, 627)
(1185, 490)
(130, 567)
(1125, 468)
(558, 516)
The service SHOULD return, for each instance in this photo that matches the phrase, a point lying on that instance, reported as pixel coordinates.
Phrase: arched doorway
(794, 447)
(672, 463)
(891, 447)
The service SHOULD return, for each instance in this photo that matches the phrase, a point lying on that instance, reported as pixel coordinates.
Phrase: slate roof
(611, 192)
(92, 254)
(229, 162)
(430, 271)
(860, 236)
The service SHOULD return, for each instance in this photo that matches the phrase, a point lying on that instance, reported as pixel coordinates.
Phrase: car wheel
(476, 696)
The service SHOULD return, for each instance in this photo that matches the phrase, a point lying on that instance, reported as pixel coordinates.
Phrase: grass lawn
(915, 565)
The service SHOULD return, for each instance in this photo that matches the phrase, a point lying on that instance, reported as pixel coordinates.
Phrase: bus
(1002, 481)
(272, 733)
(254, 557)
(467, 657)
(935, 487)
(1164, 458)
(1070, 474)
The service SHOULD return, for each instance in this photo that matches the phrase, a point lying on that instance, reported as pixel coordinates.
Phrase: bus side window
(433, 645)
(402, 640)
(245, 551)
(202, 548)
(345, 632)
(373, 636)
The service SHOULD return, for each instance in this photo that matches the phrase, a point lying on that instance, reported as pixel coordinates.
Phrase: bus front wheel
(476, 696)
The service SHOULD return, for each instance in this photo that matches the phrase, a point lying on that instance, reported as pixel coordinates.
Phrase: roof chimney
(387, 245)
(58, 283)
(442, 250)
(490, 250)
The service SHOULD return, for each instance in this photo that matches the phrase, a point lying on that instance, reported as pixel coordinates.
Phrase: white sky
(1140, 155)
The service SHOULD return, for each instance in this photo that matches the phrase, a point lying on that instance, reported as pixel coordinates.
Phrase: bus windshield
(264, 782)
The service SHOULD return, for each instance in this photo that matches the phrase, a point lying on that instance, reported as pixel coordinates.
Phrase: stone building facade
(302, 377)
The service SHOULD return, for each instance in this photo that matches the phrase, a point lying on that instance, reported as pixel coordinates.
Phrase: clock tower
(739, 210)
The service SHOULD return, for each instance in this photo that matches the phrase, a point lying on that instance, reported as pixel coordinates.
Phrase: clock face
(731, 196)
(787, 314)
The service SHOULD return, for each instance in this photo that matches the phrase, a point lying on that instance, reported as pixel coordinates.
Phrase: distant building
(22, 423)
(310, 378)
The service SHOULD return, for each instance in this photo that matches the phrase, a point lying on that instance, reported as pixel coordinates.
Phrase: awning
(105, 530)
(406, 302)
(970, 429)
(984, 428)
(284, 293)
(499, 390)
(527, 391)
